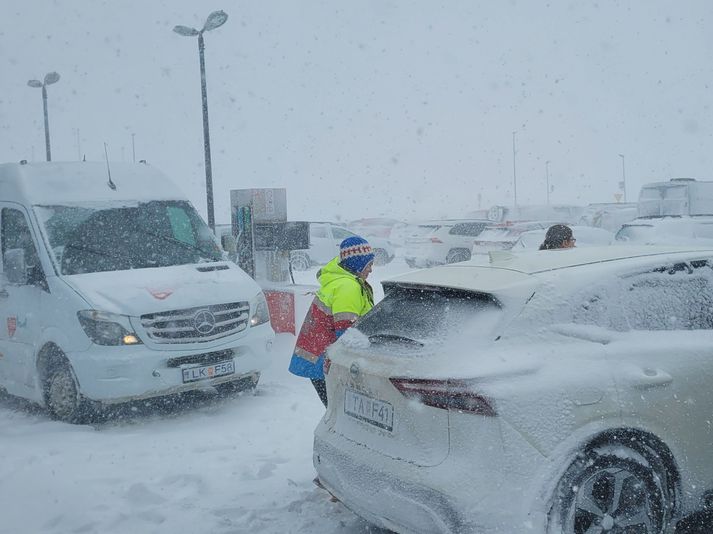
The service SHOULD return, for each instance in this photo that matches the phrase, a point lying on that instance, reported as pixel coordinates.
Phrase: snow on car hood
(139, 291)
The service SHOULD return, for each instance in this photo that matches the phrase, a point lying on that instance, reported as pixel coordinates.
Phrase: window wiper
(394, 338)
(189, 246)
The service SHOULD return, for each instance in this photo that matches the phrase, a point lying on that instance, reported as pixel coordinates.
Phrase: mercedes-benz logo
(354, 371)
(204, 322)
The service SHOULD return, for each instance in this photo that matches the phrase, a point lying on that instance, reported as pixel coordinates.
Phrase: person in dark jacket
(344, 295)
(558, 236)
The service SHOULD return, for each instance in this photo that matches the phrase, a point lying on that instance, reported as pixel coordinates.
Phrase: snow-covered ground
(211, 466)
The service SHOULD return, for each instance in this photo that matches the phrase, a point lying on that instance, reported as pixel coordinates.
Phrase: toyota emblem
(204, 322)
(354, 371)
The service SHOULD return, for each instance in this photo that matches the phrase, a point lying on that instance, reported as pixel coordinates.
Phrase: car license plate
(373, 411)
(192, 374)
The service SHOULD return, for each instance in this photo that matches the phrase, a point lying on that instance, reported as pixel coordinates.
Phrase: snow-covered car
(563, 391)
(586, 236)
(443, 241)
(324, 240)
(609, 216)
(497, 237)
(667, 231)
(113, 289)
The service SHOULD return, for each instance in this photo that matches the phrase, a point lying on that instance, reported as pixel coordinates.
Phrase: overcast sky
(371, 107)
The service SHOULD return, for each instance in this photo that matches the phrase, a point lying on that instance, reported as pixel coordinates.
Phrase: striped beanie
(355, 254)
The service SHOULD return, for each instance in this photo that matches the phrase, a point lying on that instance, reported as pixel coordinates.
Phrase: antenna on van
(111, 184)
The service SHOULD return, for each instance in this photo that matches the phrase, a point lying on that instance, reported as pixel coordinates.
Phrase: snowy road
(219, 466)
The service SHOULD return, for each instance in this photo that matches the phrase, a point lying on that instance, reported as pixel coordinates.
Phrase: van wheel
(457, 255)
(613, 493)
(235, 387)
(300, 260)
(64, 400)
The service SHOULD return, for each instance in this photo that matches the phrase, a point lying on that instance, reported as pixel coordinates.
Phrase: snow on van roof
(507, 269)
(77, 181)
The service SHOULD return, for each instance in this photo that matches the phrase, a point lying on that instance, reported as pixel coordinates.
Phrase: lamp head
(51, 77)
(185, 31)
(215, 20)
(35, 83)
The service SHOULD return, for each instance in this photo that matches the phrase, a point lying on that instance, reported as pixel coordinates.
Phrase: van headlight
(260, 311)
(105, 328)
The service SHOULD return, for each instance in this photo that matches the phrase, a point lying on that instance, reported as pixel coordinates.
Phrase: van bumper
(120, 374)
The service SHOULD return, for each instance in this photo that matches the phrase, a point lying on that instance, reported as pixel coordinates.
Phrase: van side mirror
(15, 266)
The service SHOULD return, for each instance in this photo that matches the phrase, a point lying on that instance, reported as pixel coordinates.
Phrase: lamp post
(214, 20)
(547, 178)
(514, 173)
(623, 175)
(50, 78)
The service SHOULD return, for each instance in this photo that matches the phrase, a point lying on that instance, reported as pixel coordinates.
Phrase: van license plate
(373, 411)
(192, 374)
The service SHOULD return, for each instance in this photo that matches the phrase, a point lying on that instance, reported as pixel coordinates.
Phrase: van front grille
(197, 325)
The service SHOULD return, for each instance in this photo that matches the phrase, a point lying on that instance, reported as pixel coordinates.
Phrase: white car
(564, 391)
(445, 241)
(504, 236)
(668, 230)
(609, 216)
(586, 236)
(324, 240)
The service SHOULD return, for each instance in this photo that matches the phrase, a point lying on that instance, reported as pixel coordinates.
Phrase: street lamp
(50, 78)
(623, 175)
(214, 20)
(514, 173)
(547, 178)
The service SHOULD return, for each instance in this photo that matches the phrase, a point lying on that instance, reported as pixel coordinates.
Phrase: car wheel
(381, 257)
(411, 262)
(300, 260)
(615, 493)
(457, 255)
(64, 400)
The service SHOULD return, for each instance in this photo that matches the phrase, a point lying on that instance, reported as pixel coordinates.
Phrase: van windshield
(87, 238)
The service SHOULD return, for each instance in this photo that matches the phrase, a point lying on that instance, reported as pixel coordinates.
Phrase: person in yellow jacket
(344, 296)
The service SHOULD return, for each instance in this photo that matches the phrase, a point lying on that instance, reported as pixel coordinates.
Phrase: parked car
(586, 236)
(528, 396)
(114, 289)
(677, 197)
(504, 236)
(325, 238)
(609, 216)
(668, 230)
(565, 213)
(445, 241)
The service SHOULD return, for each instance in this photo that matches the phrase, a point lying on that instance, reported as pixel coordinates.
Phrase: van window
(316, 231)
(470, 229)
(86, 239)
(340, 233)
(16, 235)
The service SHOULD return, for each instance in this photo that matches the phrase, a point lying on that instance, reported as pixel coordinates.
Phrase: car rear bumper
(476, 493)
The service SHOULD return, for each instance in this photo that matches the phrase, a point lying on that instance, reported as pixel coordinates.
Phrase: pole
(133, 148)
(206, 137)
(547, 177)
(623, 174)
(47, 123)
(514, 173)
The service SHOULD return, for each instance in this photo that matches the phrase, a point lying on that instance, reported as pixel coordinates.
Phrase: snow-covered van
(114, 289)
(677, 197)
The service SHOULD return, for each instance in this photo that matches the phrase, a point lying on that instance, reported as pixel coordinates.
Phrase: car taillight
(326, 365)
(446, 394)
(436, 240)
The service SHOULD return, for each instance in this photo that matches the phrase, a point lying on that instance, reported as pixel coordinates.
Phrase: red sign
(281, 305)
(11, 325)
(160, 294)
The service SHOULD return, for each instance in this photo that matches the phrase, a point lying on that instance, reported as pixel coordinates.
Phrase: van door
(20, 314)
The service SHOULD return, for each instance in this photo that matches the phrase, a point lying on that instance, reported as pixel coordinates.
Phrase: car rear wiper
(394, 338)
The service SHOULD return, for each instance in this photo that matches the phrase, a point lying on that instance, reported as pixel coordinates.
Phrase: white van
(114, 289)
(677, 197)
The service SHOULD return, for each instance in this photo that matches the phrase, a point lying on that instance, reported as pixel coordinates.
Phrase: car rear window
(493, 234)
(419, 315)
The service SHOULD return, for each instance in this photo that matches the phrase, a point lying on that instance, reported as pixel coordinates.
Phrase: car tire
(457, 255)
(300, 260)
(411, 263)
(63, 397)
(615, 492)
(381, 256)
